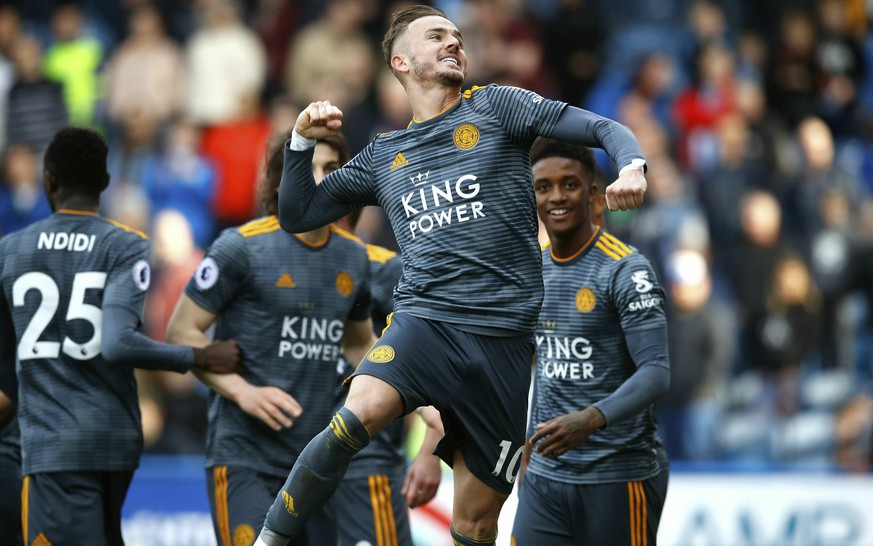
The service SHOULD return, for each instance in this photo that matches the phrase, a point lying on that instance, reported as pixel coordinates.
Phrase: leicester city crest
(466, 136)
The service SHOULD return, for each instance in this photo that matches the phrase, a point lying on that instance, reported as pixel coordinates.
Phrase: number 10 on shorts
(512, 467)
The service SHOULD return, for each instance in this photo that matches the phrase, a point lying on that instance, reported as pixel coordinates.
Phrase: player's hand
(627, 192)
(219, 357)
(567, 432)
(422, 479)
(271, 405)
(318, 120)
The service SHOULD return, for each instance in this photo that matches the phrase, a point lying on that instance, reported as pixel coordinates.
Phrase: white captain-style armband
(300, 143)
(638, 163)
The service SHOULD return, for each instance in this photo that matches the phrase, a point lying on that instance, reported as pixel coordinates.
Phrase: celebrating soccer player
(598, 471)
(294, 303)
(74, 286)
(457, 189)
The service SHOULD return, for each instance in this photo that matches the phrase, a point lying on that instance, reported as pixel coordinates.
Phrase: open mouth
(559, 212)
(451, 61)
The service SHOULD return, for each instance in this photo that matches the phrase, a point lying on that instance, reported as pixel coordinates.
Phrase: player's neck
(429, 102)
(84, 203)
(316, 237)
(569, 244)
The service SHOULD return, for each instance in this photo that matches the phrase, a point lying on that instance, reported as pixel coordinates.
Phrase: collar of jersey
(415, 124)
(77, 212)
(583, 249)
(317, 244)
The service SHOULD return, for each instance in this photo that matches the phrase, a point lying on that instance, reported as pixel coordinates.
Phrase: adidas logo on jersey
(285, 281)
(399, 161)
(41, 540)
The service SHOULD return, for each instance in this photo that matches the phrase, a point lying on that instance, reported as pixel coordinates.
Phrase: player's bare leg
(475, 509)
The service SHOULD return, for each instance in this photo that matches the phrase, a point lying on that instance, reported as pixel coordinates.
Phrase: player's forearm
(189, 335)
(651, 379)
(304, 206)
(229, 385)
(589, 129)
(123, 343)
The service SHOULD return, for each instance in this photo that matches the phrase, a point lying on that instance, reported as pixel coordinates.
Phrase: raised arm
(303, 205)
(589, 129)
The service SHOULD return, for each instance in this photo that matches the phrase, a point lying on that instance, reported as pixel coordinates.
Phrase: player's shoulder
(255, 228)
(124, 230)
(613, 249)
(478, 91)
(379, 254)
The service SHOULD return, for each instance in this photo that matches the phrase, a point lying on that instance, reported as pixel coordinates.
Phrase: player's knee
(478, 523)
(374, 402)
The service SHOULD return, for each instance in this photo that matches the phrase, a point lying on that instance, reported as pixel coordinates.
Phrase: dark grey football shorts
(479, 383)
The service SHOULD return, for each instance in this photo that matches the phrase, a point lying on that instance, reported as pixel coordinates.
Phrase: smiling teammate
(598, 473)
(456, 186)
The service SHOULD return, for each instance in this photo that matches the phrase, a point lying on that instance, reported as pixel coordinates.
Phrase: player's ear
(399, 63)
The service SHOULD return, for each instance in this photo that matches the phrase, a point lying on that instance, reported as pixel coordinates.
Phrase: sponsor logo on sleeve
(142, 275)
(643, 285)
(381, 354)
(207, 274)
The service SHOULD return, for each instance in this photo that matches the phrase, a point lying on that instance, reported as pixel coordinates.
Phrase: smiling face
(564, 193)
(432, 49)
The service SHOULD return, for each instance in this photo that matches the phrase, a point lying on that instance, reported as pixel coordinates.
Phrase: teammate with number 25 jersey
(74, 285)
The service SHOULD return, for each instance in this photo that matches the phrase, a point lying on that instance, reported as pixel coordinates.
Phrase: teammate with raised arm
(457, 189)
(598, 472)
(74, 286)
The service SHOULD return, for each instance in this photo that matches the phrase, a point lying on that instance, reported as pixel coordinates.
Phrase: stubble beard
(447, 79)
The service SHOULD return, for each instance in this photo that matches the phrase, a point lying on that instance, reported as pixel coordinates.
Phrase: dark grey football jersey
(458, 192)
(592, 299)
(286, 302)
(77, 411)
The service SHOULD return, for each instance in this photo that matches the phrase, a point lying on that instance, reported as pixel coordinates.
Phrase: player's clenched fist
(318, 120)
(627, 192)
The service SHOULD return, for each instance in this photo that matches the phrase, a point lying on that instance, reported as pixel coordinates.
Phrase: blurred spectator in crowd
(226, 64)
(571, 39)
(146, 71)
(698, 109)
(818, 174)
(332, 58)
(10, 32)
(178, 177)
(509, 45)
(786, 331)
(670, 218)
(36, 108)
(175, 257)
(22, 199)
(840, 68)
(236, 149)
(73, 60)
(790, 75)
(650, 93)
(274, 21)
(702, 340)
(174, 405)
(853, 433)
(384, 110)
(129, 151)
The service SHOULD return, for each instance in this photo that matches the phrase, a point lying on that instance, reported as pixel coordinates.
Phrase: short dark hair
(276, 161)
(76, 158)
(544, 148)
(401, 20)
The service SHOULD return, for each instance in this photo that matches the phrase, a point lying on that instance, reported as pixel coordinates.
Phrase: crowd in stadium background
(755, 118)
